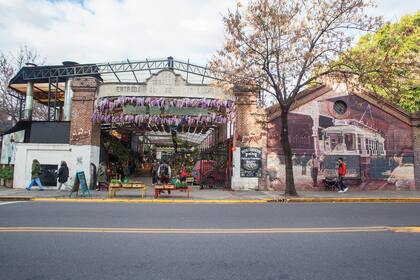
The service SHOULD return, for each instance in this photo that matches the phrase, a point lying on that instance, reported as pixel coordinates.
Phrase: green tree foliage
(282, 46)
(390, 57)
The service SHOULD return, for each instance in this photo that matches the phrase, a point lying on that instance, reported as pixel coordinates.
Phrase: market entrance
(166, 119)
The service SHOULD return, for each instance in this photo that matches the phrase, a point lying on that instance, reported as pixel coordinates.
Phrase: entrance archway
(165, 118)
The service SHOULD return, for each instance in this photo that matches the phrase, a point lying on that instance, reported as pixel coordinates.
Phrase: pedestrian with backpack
(35, 172)
(164, 173)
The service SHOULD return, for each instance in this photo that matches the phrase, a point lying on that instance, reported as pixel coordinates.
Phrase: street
(208, 241)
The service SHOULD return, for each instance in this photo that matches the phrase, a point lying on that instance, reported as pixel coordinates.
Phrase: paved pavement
(214, 194)
(145, 241)
(211, 194)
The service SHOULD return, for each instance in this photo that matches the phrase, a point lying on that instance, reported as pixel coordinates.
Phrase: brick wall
(416, 146)
(250, 128)
(82, 130)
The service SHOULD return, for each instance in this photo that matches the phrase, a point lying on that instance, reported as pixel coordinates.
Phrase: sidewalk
(215, 196)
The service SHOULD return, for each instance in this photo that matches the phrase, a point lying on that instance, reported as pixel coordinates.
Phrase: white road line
(10, 202)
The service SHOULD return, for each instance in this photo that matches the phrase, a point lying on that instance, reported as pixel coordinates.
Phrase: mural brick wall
(377, 146)
(416, 145)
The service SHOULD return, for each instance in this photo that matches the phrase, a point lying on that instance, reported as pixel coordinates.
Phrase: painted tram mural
(376, 146)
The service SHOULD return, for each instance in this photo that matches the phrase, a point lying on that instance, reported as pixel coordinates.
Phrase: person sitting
(164, 173)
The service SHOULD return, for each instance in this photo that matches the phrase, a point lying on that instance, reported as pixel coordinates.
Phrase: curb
(161, 201)
(353, 199)
(221, 201)
(15, 198)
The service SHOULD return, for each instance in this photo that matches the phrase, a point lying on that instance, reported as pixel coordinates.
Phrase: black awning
(21, 125)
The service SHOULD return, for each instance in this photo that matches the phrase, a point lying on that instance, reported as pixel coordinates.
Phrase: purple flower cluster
(156, 119)
(109, 104)
(106, 110)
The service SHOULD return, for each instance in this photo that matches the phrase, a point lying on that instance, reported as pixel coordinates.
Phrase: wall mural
(8, 150)
(376, 146)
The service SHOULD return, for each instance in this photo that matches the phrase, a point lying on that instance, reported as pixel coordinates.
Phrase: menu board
(251, 162)
(80, 183)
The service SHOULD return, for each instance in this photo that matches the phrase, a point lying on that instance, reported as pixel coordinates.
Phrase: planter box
(9, 183)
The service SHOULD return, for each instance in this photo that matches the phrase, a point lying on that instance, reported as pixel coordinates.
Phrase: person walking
(183, 175)
(63, 175)
(102, 177)
(35, 172)
(155, 167)
(342, 169)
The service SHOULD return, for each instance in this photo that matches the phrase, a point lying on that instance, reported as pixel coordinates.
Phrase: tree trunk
(290, 182)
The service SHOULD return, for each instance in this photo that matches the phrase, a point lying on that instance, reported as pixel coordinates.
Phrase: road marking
(10, 202)
(413, 229)
(406, 229)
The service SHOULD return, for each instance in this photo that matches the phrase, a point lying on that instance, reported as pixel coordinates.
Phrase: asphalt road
(145, 241)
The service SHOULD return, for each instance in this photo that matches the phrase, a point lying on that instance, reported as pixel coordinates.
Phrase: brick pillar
(84, 135)
(416, 148)
(250, 131)
(82, 130)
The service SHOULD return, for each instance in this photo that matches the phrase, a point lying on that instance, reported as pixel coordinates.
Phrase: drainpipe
(68, 96)
(29, 101)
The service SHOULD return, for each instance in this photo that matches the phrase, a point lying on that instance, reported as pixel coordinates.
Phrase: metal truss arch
(116, 69)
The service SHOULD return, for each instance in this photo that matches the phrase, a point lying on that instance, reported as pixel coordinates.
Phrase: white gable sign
(165, 83)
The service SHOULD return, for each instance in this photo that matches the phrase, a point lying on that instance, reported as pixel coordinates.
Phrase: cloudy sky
(114, 30)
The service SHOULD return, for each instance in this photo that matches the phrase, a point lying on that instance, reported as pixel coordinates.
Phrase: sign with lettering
(165, 83)
(251, 162)
(80, 183)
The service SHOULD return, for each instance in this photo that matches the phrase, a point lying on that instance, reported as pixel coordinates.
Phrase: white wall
(78, 158)
(238, 182)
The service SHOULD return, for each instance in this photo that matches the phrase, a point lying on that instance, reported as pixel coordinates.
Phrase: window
(340, 107)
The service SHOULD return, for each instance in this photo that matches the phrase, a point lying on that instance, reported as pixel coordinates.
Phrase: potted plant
(7, 176)
(1, 177)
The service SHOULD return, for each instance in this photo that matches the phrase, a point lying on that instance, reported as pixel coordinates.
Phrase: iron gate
(214, 167)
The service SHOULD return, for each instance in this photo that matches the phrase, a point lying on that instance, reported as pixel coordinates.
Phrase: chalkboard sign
(80, 183)
(251, 162)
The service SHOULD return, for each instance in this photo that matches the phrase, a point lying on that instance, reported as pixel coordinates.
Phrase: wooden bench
(114, 188)
(168, 187)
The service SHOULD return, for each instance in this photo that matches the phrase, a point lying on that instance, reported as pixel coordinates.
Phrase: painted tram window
(347, 137)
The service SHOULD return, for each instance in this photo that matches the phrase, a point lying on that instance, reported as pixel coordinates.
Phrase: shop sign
(251, 162)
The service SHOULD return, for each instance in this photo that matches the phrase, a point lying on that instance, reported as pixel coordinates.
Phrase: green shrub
(115, 181)
(6, 173)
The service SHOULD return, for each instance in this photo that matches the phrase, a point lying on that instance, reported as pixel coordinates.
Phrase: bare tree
(10, 64)
(283, 46)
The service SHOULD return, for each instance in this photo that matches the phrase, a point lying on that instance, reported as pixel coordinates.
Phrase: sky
(114, 30)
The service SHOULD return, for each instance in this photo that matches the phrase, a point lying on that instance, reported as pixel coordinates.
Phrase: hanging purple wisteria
(108, 104)
(156, 119)
(105, 111)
